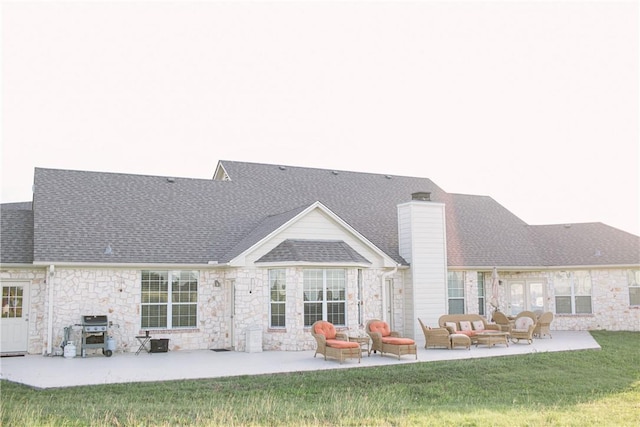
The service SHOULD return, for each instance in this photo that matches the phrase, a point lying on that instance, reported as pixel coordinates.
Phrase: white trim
(313, 264)
(132, 265)
(533, 268)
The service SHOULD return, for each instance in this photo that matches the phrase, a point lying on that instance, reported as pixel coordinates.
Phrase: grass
(576, 388)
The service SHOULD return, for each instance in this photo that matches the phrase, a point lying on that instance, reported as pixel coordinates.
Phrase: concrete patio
(56, 371)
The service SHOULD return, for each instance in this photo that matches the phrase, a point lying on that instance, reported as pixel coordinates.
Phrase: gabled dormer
(221, 174)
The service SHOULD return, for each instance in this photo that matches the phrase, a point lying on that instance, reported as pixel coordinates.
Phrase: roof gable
(302, 222)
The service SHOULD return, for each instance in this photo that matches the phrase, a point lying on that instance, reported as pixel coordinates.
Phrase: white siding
(422, 240)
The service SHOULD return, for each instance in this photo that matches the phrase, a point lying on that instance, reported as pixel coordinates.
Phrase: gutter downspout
(50, 310)
(383, 278)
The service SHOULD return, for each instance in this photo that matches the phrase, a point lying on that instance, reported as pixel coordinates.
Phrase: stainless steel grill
(94, 334)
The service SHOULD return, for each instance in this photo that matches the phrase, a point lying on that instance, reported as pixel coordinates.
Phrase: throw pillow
(523, 323)
(465, 325)
(478, 325)
(451, 325)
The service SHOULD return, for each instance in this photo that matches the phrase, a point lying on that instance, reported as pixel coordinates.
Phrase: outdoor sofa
(466, 324)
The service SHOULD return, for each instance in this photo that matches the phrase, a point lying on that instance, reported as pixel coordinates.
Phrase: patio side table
(144, 341)
(364, 343)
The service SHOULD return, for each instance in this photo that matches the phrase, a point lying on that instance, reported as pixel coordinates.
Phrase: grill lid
(94, 320)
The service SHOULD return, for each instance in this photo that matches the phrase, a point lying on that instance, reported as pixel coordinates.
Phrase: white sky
(534, 104)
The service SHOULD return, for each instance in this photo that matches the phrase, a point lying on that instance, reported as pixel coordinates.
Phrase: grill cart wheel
(107, 353)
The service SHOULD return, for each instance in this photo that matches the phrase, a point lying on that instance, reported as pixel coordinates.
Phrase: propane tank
(70, 350)
(111, 344)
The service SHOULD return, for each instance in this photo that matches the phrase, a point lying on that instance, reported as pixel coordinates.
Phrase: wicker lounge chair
(435, 337)
(385, 340)
(334, 344)
(543, 325)
(524, 326)
(501, 319)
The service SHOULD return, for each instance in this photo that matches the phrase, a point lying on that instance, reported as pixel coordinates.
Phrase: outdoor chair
(543, 325)
(334, 344)
(387, 341)
(435, 337)
(501, 320)
(524, 326)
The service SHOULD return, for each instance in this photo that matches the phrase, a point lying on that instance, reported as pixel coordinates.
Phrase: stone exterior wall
(295, 336)
(609, 299)
(610, 303)
(116, 293)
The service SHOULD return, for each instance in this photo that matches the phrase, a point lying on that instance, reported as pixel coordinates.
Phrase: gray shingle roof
(313, 251)
(481, 232)
(586, 244)
(262, 230)
(16, 234)
(150, 219)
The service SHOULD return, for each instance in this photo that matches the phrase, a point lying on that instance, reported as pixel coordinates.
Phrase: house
(249, 259)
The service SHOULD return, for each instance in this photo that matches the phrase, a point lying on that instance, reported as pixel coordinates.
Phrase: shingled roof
(16, 233)
(588, 244)
(77, 215)
(324, 251)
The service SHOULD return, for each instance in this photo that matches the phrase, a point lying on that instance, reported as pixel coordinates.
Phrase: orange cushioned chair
(387, 341)
(334, 344)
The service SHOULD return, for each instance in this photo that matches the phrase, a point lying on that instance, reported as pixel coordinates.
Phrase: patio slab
(56, 371)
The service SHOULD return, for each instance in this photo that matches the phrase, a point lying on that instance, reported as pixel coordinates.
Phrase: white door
(14, 322)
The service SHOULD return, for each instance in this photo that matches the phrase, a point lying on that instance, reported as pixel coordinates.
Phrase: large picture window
(169, 299)
(325, 296)
(573, 292)
(455, 287)
(278, 295)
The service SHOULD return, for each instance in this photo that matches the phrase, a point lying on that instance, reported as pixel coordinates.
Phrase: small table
(144, 341)
(364, 343)
(491, 338)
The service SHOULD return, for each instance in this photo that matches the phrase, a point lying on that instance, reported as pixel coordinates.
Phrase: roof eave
(540, 267)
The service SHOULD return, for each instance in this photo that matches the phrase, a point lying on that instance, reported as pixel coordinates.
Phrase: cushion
(467, 333)
(398, 341)
(478, 325)
(325, 328)
(524, 323)
(342, 344)
(451, 325)
(380, 326)
(465, 325)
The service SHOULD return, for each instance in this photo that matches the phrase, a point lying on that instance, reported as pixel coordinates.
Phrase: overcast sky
(534, 104)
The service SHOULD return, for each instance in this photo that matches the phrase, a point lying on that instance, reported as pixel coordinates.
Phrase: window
(325, 296)
(456, 292)
(573, 292)
(633, 278)
(481, 294)
(169, 299)
(277, 285)
(12, 299)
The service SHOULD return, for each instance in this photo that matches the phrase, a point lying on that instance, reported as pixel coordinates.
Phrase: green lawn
(576, 388)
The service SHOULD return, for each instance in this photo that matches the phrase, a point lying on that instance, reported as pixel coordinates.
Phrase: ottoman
(460, 340)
